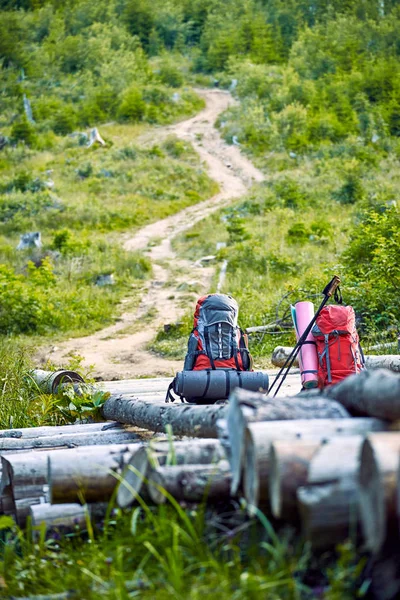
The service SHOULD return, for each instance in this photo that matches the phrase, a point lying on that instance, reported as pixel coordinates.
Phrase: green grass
(171, 552)
(97, 196)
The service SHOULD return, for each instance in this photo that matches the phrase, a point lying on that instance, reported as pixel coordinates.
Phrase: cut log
(203, 451)
(23, 506)
(133, 479)
(247, 407)
(50, 381)
(258, 439)
(35, 432)
(24, 474)
(371, 393)
(329, 512)
(86, 477)
(328, 504)
(390, 361)
(378, 486)
(65, 518)
(190, 483)
(68, 441)
(280, 356)
(288, 468)
(184, 419)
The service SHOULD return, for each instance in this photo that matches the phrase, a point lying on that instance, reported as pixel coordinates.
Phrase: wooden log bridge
(201, 421)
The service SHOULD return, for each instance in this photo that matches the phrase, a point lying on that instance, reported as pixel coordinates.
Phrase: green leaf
(6, 522)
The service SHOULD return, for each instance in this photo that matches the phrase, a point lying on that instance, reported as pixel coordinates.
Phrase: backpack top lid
(335, 318)
(216, 308)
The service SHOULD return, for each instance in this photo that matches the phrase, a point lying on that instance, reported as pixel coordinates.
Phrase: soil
(120, 350)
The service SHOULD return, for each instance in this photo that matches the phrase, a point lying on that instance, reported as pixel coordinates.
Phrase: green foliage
(23, 131)
(79, 407)
(372, 267)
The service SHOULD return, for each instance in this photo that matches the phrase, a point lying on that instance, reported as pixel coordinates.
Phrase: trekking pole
(327, 292)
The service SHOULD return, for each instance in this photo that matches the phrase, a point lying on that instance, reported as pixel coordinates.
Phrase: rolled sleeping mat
(308, 359)
(208, 386)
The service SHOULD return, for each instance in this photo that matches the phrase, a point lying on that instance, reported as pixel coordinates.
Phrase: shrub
(23, 131)
(298, 233)
(371, 264)
(289, 193)
(170, 74)
(132, 106)
(64, 121)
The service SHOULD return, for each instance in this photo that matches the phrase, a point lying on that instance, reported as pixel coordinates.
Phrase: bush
(65, 121)
(23, 131)
(132, 106)
(170, 75)
(371, 264)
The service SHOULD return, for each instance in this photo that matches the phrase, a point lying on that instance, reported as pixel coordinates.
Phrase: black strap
(362, 355)
(227, 384)
(235, 349)
(308, 371)
(208, 348)
(338, 296)
(240, 379)
(207, 384)
(169, 396)
(309, 342)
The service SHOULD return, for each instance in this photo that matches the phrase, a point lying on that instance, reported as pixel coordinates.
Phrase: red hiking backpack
(216, 341)
(338, 347)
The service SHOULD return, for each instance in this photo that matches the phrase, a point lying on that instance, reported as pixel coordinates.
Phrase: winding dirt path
(119, 351)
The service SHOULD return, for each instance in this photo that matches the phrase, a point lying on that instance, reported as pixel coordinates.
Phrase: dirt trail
(119, 351)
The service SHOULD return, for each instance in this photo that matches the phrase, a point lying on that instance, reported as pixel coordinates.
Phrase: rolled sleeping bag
(308, 358)
(208, 386)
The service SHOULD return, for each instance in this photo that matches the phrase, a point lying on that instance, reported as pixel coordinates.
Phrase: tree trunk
(68, 441)
(329, 512)
(328, 503)
(184, 419)
(247, 407)
(281, 354)
(190, 483)
(258, 440)
(378, 486)
(389, 361)
(202, 452)
(372, 361)
(35, 432)
(86, 477)
(24, 474)
(371, 393)
(65, 518)
(50, 381)
(288, 469)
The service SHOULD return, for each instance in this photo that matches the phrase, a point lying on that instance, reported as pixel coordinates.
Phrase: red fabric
(343, 344)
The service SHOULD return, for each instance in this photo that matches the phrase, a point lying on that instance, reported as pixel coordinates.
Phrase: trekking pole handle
(332, 286)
